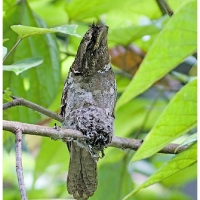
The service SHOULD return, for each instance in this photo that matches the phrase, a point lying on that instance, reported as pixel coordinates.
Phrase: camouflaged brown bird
(87, 105)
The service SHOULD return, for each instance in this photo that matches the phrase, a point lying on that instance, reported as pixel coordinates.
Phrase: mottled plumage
(87, 105)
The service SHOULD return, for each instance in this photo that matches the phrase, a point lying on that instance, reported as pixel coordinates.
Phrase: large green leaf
(182, 177)
(23, 65)
(176, 164)
(179, 117)
(26, 31)
(39, 84)
(175, 42)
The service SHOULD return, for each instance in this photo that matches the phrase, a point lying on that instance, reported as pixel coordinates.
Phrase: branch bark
(23, 102)
(164, 7)
(55, 134)
(19, 168)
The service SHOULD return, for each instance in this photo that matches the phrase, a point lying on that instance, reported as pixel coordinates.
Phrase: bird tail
(82, 173)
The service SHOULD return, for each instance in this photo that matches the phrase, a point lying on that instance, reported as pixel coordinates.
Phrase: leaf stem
(20, 39)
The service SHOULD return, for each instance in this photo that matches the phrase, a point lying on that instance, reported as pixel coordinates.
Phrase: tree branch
(55, 134)
(23, 102)
(164, 7)
(19, 168)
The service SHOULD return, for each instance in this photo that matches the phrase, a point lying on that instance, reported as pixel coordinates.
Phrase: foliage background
(136, 22)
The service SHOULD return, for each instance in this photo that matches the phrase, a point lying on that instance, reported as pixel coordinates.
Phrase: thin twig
(164, 7)
(12, 49)
(118, 142)
(19, 168)
(23, 102)
(68, 54)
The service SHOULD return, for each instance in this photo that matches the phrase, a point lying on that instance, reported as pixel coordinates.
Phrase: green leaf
(38, 84)
(181, 178)
(191, 139)
(175, 42)
(23, 65)
(176, 164)
(67, 29)
(26, 31)
(160, 193)
(179, 117)
(4, 51)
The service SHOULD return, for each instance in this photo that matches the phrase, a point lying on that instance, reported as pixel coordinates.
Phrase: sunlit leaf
(182, 177)
(175, 42)
(191, 139)
(23, 65)
(179, 117)
(66, 29)
(26, 31)
(176, 164)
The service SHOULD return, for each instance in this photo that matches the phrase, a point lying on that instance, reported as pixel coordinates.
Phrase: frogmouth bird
(87, 105)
